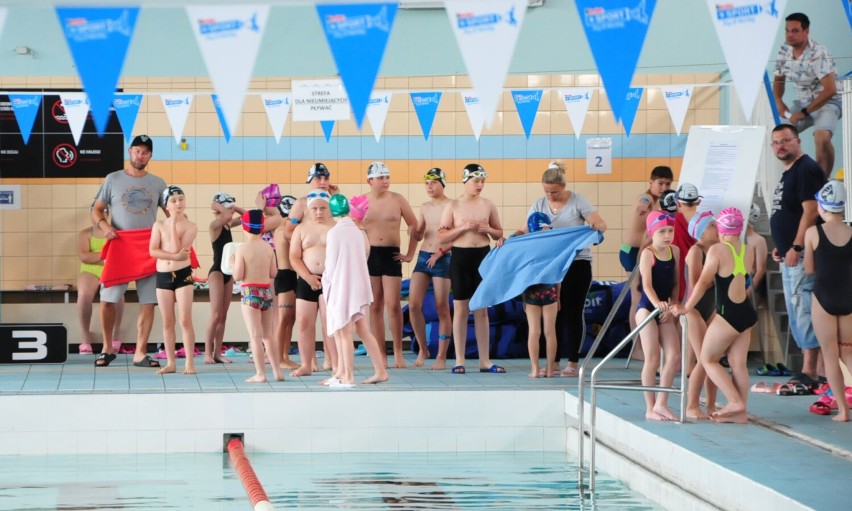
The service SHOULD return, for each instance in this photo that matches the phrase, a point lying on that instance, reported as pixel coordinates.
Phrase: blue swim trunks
(441, 269)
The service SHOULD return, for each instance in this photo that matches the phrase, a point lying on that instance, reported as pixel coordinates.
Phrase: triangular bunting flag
(577, 104)
(847, 7)
(742, 24)
(218, 106)
(98, 38)
(177, 110)
(357, 35)
(76, 107)
(327, 128)
(377, 111)
(127, 109)
(474, 111)
(677, 101)
(526, 103)
(277, 107)
(616, 34)
(425, 106)
(25, 107)
(3, 13)
(486, 32)
(631, 105)
(228, 37)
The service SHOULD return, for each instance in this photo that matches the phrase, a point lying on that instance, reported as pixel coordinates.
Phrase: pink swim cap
(358, 206)
(272, 195)
(656, 220)
(730, 221)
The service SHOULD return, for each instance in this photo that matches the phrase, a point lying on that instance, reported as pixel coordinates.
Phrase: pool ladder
(633, 385)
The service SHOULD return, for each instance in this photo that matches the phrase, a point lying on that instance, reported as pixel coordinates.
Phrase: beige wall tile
(14, 244)
(13, 268)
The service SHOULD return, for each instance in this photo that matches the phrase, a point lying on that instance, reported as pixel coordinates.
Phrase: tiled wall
(39, 241)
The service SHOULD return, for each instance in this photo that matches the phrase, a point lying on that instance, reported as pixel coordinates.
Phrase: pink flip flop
(85, 349)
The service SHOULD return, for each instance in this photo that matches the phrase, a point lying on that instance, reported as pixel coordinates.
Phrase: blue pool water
(435, 481)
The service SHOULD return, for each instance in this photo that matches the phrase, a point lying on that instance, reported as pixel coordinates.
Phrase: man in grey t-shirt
(132, 196)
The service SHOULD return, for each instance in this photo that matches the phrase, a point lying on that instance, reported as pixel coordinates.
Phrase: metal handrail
(594, 387)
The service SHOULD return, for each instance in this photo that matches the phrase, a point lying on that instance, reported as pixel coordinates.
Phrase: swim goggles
(318, 195)
(474, 174)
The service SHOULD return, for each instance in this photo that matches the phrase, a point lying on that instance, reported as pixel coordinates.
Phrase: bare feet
(171, 368)
(731, 418)
(654, 416)
(289, 364)
(279, 377)
(300, 372)
(258, 378)
(696, 414)
(440, 364)
(189, 369)
(376, 378)
(535, 372)
(209, 359)
(399, 362)
(421, 359)
(328, 381)
(570, 371)
(664, 412)
(841, 417)
(217, 360)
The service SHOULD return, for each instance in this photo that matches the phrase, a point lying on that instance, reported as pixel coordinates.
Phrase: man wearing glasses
(811, 69)
(794, 209)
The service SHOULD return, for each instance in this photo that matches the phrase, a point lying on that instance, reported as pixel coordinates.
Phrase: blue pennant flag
(327, 127)
(526, 103)
(98, 38)
(357, 35)
(25, 107)
(426, 106)
(221, 117)
(631, 105)
(847, 7)
(126, 109)
(616, 34)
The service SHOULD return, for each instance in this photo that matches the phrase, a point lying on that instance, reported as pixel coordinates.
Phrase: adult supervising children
(433, 264)
(810, 68)
(384, 218)
(132, 196)
(467, 223)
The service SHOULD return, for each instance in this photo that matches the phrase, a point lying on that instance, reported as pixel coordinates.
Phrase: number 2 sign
(599, 156)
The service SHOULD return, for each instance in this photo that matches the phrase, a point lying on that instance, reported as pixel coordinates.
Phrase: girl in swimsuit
(730, 329)
(658, 267)
(828, 254)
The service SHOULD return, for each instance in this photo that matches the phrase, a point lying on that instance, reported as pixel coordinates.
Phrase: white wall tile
(471, 439)
(414, 439)
(442, 439)
(325, 439)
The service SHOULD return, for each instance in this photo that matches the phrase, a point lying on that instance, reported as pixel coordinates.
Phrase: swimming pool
(447, 481)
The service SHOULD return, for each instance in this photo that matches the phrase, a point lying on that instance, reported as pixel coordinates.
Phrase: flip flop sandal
(783, 370)
(802, 389)
(495, 369)
(458, 370)
(787, 389)
(820, 408)
(147, 362)
(105, 359)
(85, 349)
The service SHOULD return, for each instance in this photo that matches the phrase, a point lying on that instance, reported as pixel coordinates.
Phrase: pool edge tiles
(298, 422)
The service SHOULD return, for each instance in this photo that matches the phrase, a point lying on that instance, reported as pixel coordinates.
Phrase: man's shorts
(304, 291)
(381, 262)
(628, 256)
(285, 281)
(823, 118)
(464, 270)
(146, 289)
(174, 280)
(441, 269)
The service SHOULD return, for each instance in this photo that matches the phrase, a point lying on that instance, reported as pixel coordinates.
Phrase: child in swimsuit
(730, 330)
(658, 268)
(541, 302)
(828, 254)
(254, 266)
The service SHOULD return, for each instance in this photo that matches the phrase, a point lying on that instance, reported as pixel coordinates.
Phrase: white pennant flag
(76, 106)
(277, 107)
(746, 30)
(228, 37)
(486, 32)
(377, 111)
(677, 101)
(3, 12)
(577, 103)
(474, 111)
(177, 110)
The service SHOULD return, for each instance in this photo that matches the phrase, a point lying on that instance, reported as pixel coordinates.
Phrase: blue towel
(536, 258)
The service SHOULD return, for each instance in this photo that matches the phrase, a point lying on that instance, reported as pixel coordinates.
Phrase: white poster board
(599, 156)
(722, 162)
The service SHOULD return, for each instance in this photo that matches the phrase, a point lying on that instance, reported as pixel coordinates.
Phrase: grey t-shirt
(132, 201)
(573, 214)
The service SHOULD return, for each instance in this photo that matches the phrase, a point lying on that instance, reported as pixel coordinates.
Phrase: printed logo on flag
(485, 22)
(631, 106)
(277, 107)
(276, 102)
(126, 109)
(425, 106)
(341, 25)
(81, 29)
(730, 13)
(526, 103)
(377, 111)
(213, 28)
(602, 18)
(25, 108)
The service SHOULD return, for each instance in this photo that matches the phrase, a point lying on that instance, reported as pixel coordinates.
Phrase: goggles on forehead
(318, 195)
(666, 219)
(468, 175)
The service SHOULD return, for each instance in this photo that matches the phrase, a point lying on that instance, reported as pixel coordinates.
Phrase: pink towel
(345, 281)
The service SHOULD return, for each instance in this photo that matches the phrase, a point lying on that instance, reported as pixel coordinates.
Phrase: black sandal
(147, 362)
(104, 359)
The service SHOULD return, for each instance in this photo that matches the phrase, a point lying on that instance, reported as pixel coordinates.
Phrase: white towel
(345, 281)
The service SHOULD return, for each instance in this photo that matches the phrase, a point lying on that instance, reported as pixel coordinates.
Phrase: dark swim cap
(252, 221)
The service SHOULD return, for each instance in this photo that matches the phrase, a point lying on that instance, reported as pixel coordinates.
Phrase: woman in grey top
(568, 209)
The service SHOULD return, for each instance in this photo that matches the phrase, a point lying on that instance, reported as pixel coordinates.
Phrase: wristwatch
(798, 248)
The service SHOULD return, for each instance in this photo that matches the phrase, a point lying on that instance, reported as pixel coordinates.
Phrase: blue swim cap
(538, 221)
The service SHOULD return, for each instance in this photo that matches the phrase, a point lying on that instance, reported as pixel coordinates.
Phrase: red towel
(127, 258)
(684, 242)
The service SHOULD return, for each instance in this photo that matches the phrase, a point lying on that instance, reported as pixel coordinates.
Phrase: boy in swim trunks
(285, 285)
(171, 240)
(433, 264)
(383, 221)
(254, 266)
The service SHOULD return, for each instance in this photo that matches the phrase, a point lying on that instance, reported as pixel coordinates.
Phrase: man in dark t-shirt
(794, 209)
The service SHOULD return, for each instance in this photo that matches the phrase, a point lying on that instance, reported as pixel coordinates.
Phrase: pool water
(434, 481)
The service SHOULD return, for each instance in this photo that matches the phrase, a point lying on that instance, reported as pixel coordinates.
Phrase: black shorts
(382, 264)
(172, 280)
(225, 277)
(464, 270)
(285, 281)
(304, 291)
